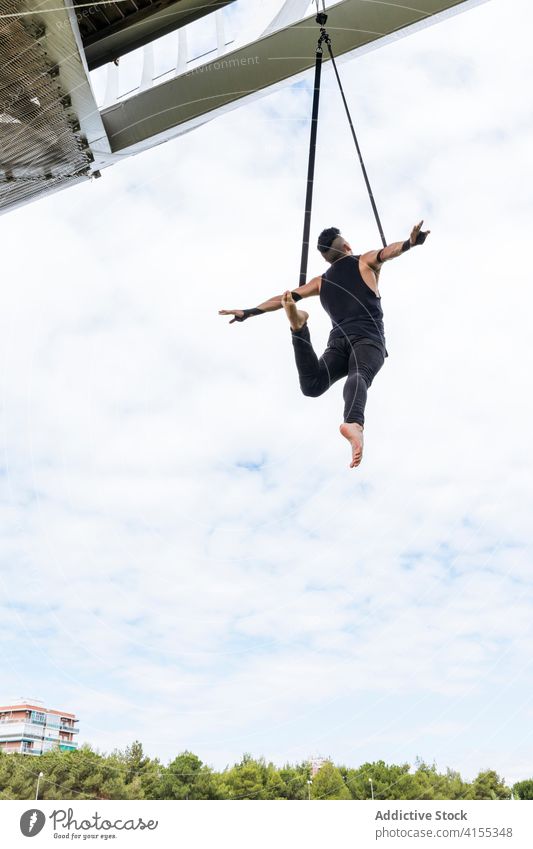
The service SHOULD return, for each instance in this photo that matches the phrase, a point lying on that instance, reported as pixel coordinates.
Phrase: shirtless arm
(274, 303)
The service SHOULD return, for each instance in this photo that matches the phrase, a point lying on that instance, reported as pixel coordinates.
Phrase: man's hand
(238, 314)
(418, 236)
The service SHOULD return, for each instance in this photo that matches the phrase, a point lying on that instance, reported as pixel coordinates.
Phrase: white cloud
(294, 606)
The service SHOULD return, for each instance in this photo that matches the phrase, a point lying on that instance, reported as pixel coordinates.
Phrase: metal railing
(147, 75)
(289, 12)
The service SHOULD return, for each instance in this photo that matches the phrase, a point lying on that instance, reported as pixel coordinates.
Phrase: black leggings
(357, 359)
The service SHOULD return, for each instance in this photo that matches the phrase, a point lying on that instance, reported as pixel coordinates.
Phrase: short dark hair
(326, 239)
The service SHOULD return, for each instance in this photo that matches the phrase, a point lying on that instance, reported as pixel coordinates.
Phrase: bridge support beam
(197, 96)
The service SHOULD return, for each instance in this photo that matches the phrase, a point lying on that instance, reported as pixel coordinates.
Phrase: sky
(187, 558)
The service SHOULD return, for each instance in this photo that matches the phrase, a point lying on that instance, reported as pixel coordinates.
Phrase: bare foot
(353, 432)
(297, 318)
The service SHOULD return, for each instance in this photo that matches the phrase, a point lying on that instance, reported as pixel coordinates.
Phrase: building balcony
(22, 748)
(29, 750)
(19, 730)
(14, 730)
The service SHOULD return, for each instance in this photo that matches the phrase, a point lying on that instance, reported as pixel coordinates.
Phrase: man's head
(332, 245)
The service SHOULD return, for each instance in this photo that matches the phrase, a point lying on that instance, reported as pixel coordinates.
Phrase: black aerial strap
(358, 149)
(321, 19)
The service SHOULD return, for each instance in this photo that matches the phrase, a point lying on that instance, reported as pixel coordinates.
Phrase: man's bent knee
(312, 390)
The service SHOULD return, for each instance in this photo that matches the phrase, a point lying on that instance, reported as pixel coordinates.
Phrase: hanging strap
(358, 149)
(321, 19)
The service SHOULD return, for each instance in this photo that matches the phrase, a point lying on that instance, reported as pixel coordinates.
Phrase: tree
(385, 780)
(186, 777)
(450, 785)
(247, 779)
(488, 785)
(328, 783)
(294, 781)
(141, 774)
(524, 789)
(10, 777)
(130, 774)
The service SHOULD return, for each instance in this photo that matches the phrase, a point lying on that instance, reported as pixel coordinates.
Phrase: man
(349, 293)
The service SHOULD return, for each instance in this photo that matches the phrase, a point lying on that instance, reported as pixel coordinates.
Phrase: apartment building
(316, 763)
(32, 729)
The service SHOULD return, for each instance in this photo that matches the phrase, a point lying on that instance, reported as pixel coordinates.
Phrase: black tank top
(354, 309)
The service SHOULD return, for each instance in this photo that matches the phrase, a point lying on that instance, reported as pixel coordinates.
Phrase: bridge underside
(112, 30)
(41, 146)
(52, 133)
(187, 101)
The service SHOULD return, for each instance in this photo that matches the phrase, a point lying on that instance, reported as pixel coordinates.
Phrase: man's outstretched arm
(375, 259)
(274, 303)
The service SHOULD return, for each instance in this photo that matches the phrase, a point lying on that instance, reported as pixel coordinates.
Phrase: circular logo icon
(32, 822)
